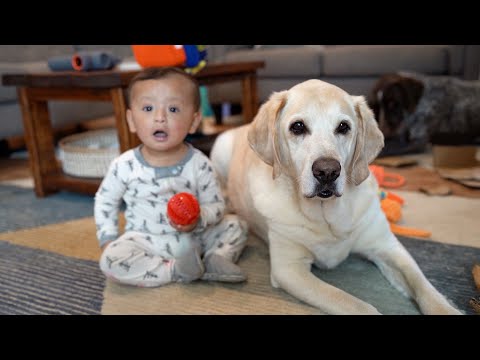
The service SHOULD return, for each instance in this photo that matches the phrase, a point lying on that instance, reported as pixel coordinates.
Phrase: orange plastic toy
(392, 207)
(183, 209)
(385, 179)
(191, 57)
(159, 55)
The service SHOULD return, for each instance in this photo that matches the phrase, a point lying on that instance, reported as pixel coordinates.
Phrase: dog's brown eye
(298, 128)
(343, 128)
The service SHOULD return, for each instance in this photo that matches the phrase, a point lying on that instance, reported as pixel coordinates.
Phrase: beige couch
(355, 68)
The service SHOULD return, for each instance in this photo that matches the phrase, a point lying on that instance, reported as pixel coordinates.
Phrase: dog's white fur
(268, 173)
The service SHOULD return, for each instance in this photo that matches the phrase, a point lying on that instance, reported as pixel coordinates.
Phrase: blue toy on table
(84, 61)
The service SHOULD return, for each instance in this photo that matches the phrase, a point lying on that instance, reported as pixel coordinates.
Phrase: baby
(163, 108)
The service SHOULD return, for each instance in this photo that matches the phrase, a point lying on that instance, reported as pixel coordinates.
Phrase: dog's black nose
(326, 170)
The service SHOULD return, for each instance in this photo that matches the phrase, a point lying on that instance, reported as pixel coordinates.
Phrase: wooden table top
(121, 78)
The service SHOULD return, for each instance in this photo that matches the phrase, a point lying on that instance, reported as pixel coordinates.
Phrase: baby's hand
(183, 211)
(184, 228)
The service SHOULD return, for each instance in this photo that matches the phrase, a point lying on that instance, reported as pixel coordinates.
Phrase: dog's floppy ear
(414, 91)
(373, 98)
(263, 134)
(369, 141)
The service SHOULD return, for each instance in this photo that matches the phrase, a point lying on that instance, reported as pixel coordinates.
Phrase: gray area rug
(38, 282)
(448, 267)
(21, 209)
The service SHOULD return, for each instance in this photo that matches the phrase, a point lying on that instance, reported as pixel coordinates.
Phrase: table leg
(249, 97)
(39, 141)
(254, 96)
(127, 140)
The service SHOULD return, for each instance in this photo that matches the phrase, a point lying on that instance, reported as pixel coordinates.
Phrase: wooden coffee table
(35, 90)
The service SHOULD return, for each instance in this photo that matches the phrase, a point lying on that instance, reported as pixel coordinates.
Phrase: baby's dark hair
(155, 73)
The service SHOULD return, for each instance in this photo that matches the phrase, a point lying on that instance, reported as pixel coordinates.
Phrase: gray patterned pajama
(146, 253)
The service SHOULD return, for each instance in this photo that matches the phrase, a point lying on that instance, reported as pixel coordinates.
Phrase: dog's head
(392, 99)
(318, 135)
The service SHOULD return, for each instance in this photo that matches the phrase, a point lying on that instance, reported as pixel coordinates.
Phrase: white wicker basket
(90, 153)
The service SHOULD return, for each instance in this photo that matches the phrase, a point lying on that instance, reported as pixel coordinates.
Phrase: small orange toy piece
(183, 209)
(391, 205)
(386, 179)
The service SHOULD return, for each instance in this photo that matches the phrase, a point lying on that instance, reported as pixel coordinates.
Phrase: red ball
(183, 209)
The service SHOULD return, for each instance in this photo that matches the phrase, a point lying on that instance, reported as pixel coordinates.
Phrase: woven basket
(90, 153)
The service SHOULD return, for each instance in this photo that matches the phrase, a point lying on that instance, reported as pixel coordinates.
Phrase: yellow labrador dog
(299, 175)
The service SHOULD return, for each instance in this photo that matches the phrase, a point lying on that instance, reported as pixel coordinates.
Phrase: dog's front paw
(446, 310)
(370, 310)
(439, 306)
(357, 307)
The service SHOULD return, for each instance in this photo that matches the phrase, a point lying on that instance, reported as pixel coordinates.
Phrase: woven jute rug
(65, 251)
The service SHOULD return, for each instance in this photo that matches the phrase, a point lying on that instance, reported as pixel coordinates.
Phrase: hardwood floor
(12, 169)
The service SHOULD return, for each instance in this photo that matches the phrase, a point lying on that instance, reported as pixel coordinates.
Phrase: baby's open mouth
(160, 134)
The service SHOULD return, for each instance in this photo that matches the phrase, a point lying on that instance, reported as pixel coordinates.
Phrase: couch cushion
(122, 51)
(298, 61)
(29, 53)
(9, 93)
(272, 46)
(232, 91)
(457, 53)
(363, 60)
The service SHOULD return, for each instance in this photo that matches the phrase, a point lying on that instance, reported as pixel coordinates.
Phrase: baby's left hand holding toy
(183, 211)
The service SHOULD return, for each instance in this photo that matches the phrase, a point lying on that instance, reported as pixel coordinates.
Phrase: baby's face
(162, 112)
